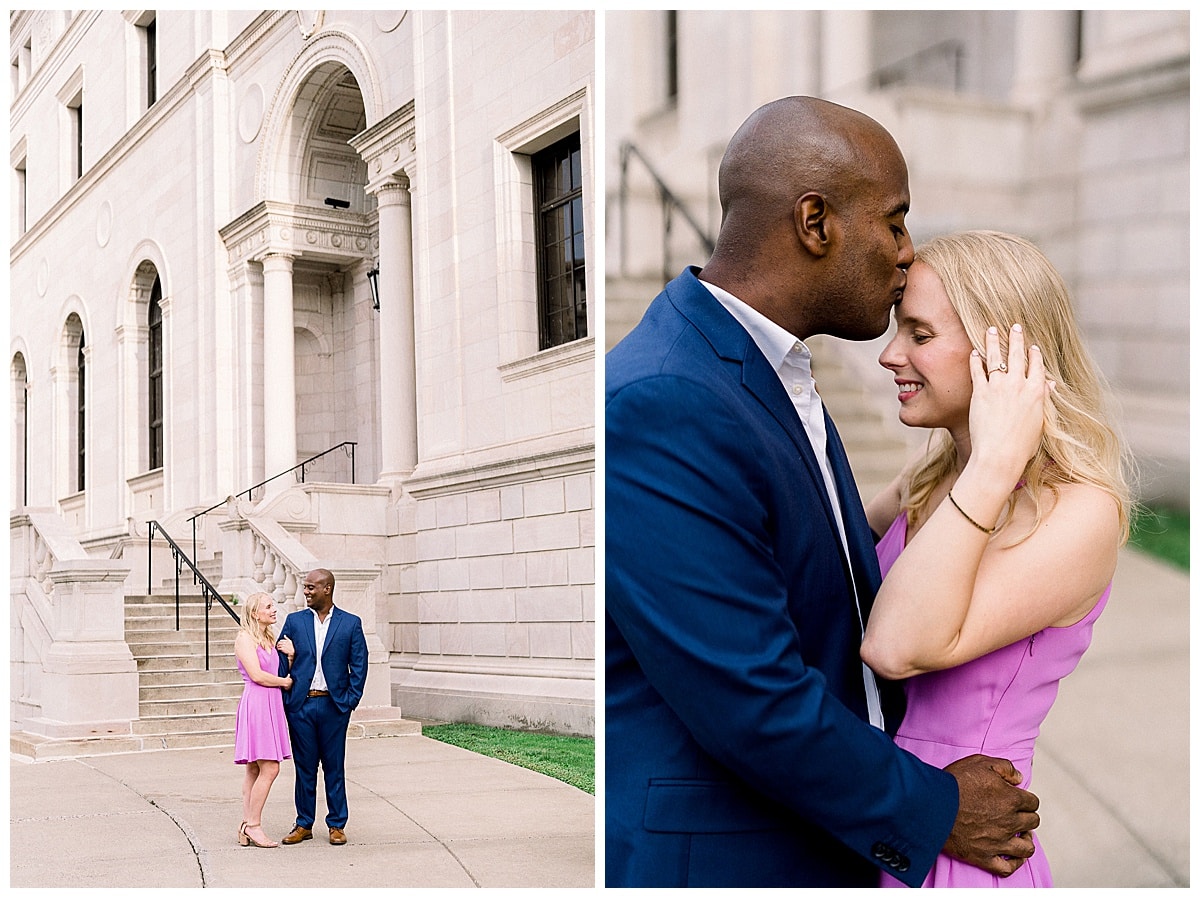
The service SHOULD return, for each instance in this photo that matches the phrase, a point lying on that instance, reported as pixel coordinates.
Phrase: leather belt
(313, 693)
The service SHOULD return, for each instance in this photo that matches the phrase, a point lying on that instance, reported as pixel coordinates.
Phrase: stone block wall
(496, 586)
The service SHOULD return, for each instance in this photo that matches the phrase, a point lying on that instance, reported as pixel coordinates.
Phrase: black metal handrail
(308, 461)
(908, 69)
(208, 591)
(670, 202)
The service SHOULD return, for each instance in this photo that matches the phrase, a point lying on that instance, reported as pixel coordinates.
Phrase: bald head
(794, 146)
(318, 590)
(813, 197)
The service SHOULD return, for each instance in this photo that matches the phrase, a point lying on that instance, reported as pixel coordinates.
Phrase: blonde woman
(261, 739)
(1000, 542)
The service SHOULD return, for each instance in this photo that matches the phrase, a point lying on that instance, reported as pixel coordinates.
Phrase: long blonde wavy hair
(261, 633)
(995, 280)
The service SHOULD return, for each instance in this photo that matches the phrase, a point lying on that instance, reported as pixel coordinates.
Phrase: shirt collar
(772, 340)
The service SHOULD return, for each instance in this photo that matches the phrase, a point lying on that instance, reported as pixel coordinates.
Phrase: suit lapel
(763, 382)
(863, 562)
(310, 638)
(731, 342)
(335, 620)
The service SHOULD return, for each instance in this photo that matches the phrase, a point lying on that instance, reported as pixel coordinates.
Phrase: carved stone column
(1044, 54)
(279, 369)
(397, 331)
(845, 49)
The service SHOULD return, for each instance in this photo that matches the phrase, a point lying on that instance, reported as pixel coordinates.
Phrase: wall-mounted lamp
(336, 203)
(373, 280)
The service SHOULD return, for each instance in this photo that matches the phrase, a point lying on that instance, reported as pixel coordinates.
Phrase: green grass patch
(571, 759)
(1164, 533)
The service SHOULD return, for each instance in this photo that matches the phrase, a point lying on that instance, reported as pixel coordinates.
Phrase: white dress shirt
(792, 361)
(320, 631)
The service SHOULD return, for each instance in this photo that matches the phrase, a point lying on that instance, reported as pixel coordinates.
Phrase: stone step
(163, 595)
(164, 646)
(194, 662)
(188, 617)
(158, 692)
(370, 729)
(210, 722)
(31, 747)
(176, 708)
(185, 678)
(187, 634)
(188, 605)
(211, 739)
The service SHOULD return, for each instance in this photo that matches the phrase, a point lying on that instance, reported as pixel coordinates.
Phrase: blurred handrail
(902, 69)
(669, 202)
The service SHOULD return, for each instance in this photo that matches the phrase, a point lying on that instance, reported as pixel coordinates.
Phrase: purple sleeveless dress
(261, 732)
(993, 706)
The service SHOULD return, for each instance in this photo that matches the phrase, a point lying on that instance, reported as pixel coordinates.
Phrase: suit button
(903, 865)
(879, 850)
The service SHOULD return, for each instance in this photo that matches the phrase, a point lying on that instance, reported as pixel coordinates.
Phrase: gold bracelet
(974, 523)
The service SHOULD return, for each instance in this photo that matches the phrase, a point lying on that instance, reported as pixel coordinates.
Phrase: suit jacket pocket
(708, 806)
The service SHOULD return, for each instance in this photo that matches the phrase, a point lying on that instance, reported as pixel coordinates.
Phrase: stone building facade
(1068, 127)
(242, 238)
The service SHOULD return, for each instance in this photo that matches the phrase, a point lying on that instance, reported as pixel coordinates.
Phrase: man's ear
(814, 223)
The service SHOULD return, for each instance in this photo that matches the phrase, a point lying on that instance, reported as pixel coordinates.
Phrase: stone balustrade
(72, 672)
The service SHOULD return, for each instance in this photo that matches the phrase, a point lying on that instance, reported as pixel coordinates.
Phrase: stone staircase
(861, 399)
(180, 704)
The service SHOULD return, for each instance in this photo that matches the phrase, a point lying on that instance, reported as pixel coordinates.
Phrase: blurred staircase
(861, 399)
(625, 302)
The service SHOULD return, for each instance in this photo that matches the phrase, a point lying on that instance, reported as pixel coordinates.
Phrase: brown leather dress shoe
(297, 835)
(336, 836)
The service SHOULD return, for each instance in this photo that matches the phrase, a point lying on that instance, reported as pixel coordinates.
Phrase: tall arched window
(81, 416)
(20, 431)
(154, 315)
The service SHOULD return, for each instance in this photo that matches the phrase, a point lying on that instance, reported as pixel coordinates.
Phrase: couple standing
(320, 664)
(757, 669)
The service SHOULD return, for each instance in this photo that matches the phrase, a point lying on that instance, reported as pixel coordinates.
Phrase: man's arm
(285, 663)
(696, 591)
(358, 663)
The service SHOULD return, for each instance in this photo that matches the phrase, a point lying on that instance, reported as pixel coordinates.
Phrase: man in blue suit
(325, 652)
(745, 741)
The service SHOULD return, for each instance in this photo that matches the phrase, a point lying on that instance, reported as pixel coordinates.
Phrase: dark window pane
(558, 179)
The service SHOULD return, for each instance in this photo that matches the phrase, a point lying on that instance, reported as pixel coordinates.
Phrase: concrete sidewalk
(1112, 767)
(422, 813)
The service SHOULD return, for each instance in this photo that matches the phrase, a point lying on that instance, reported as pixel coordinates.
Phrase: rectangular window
(558, 189)
(75, 136)
(22, 207)
(24, 63)
(672, 55)
(151, 62)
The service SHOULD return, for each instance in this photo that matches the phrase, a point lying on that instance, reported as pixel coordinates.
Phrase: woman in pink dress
(261, 737)
(999, 542)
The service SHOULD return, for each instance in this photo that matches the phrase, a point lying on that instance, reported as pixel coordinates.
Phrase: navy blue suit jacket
(737, 752)
(343, 659)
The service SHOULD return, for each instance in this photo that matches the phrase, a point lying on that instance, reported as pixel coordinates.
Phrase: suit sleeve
(284, 665)
(695, 589)
(358, 663)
